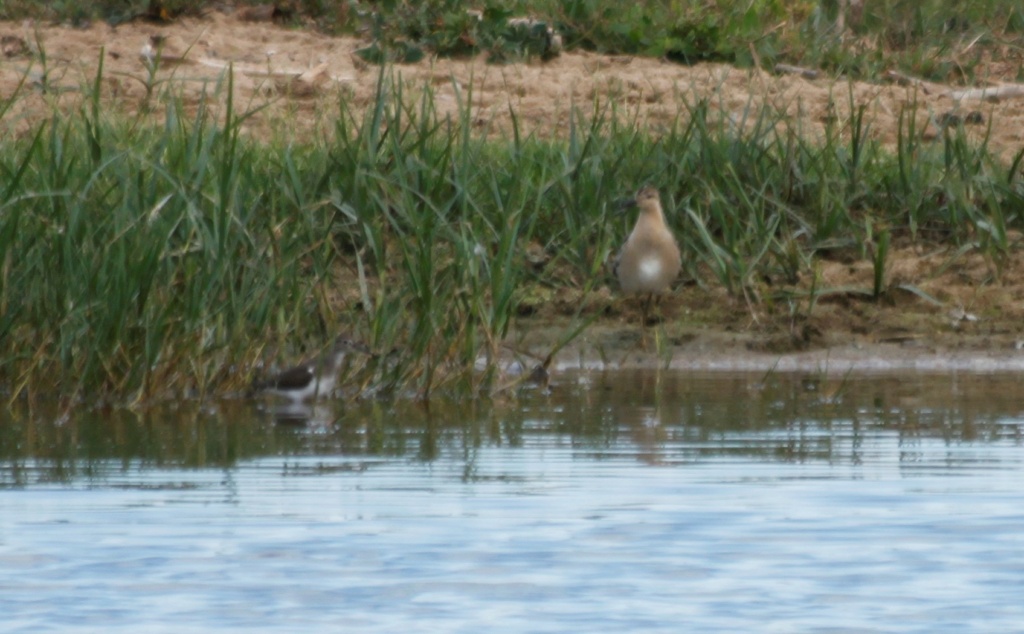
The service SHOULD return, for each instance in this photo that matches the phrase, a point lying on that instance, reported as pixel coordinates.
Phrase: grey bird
(314, 377)
(649, 260)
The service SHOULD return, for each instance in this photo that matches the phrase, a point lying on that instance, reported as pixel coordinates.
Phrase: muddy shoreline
(692, 348)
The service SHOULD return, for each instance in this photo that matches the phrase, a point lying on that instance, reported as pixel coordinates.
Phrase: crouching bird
(314, 377)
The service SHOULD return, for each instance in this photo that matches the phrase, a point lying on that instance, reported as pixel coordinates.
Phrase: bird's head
(344, 343)
(645, 196)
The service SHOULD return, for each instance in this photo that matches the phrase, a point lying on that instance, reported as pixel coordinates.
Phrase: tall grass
(146, 260)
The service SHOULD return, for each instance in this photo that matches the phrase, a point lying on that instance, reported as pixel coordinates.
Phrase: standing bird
(649, 261)
(314, 377)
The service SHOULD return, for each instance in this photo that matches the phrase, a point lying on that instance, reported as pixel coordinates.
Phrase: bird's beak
(625, 204)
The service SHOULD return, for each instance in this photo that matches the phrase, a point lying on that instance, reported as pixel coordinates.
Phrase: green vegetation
(934, 39)
(145, 262)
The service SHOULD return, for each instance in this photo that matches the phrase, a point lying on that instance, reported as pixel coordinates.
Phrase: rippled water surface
(627, 502)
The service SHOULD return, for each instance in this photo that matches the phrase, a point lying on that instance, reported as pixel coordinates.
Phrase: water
(637, 502)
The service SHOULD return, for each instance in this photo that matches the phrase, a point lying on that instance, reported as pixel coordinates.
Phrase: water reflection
(656, 418)
(610, 503)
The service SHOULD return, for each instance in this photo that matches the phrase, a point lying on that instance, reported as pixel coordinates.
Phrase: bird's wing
(293, 379)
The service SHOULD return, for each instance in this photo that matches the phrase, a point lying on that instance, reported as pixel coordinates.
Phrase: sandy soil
(978, 320)
(299, 73)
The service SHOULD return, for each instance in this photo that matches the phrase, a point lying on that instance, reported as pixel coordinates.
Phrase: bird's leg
(645, 307)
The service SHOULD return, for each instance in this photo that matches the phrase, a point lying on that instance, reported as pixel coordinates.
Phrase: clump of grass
(177, 251)
(147, 257)
(435, 219)
(407, 32)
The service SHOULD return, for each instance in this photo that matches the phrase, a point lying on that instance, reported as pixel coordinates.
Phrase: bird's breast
(650, 269)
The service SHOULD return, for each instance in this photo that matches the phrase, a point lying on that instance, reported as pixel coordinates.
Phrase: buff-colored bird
(649, 260)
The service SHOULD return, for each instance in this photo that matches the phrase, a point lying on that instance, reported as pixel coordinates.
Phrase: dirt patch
(298, 75)
(943, 314)
(940, 309)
